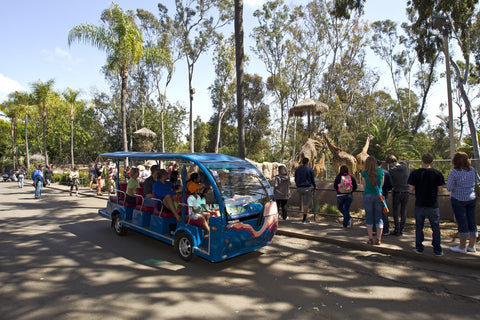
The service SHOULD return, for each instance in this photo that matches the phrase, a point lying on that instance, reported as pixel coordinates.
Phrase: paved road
(60, 260)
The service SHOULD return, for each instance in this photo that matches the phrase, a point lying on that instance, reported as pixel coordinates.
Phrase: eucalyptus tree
(386, 44)
(197, 22)
(160, 55)
(273, 36)
(43, 95)
(71, 96)
(456, 19)
(24, 101)
(257, 119)
(121, 39)
(12, 111)
(222, 92)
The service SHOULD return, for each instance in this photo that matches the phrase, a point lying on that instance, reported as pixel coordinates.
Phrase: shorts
(306, 192)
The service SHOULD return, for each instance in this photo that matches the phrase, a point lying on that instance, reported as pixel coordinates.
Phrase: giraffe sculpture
(320, 168)
(362, 156)
(340, 157)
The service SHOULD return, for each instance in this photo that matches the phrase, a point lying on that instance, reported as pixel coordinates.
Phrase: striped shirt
(461, 184)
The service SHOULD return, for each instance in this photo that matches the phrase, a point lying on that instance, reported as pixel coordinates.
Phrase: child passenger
(196, 205)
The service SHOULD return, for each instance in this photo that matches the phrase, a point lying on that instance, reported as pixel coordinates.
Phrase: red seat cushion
(128, 204)
(193, 221)
(144, 209)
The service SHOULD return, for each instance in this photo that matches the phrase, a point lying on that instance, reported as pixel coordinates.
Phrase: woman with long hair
(461, 184)
(372, 180)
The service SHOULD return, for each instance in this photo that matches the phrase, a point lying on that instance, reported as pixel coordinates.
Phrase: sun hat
(192, 186)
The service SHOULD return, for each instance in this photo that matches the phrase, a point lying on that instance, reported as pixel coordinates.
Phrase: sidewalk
(355, 238)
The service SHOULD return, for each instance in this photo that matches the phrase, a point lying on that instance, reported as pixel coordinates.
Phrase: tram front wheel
(184, 246)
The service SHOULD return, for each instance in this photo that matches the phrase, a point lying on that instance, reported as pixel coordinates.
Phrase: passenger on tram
(174, 178)
(148, 186)
(196, 205)
(132, 186)
(164, 190)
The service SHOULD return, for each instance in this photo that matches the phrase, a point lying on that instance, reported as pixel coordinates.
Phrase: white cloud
(63, 54)
(7, 86)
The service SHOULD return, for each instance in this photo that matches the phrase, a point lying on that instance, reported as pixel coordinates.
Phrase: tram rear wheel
(184, 246)
(117, 225)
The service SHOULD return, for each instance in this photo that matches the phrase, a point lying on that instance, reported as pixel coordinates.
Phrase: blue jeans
(433, 215)
(465, 214)
(38, 189)
(373, 210)
(344, 202)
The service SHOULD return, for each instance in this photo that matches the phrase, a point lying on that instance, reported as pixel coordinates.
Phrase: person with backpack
(281, 188)
(37, 178)
(345, 184)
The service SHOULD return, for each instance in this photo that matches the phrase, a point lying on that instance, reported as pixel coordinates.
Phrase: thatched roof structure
(307, 107)
(145, 133)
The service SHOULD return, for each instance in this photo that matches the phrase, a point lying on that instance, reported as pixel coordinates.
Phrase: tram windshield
(243, 189)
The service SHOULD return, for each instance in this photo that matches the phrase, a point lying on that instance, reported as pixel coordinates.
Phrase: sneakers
(458, 249)
(305, 221)
(386, 233)
(470, 249)
(439, 254)
(349, 224)
(417, 251)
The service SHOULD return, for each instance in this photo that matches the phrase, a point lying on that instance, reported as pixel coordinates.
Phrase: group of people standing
(426, 183)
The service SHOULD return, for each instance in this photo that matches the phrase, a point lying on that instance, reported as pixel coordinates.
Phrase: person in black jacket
(305, 182)
(345, 194)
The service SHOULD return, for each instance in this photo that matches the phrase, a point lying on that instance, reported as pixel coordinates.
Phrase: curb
(364, 247)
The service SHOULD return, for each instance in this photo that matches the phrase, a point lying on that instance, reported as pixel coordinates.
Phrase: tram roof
(200, 157)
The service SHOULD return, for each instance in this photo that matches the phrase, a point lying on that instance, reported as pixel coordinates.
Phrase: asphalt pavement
(356, 238)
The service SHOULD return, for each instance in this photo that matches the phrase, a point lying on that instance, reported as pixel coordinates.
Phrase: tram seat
(120, 197)
(139, 194)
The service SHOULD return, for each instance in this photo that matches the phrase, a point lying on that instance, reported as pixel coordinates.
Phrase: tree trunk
(26, 142)
(123, 109)
(239, 61)
(190, 119)
(468, 106)
(13, 143)
(44, 136)
(71, 138)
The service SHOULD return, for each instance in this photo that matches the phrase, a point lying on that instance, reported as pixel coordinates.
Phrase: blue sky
(34, 46)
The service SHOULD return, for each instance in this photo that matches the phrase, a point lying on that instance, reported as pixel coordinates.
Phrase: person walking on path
(372, 180)
(37, 178)
(281, 188)
(91, 175)
(99, 176)
(21, 177)
(427, 182)
(345, 184)
(74, 175)
(400, 193)
(461, 184)
(47, 175)
(305, 182)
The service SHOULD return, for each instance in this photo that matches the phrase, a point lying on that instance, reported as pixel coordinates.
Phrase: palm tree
(43, 94)
(70, 96)
(122, 40)
(389, 138)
